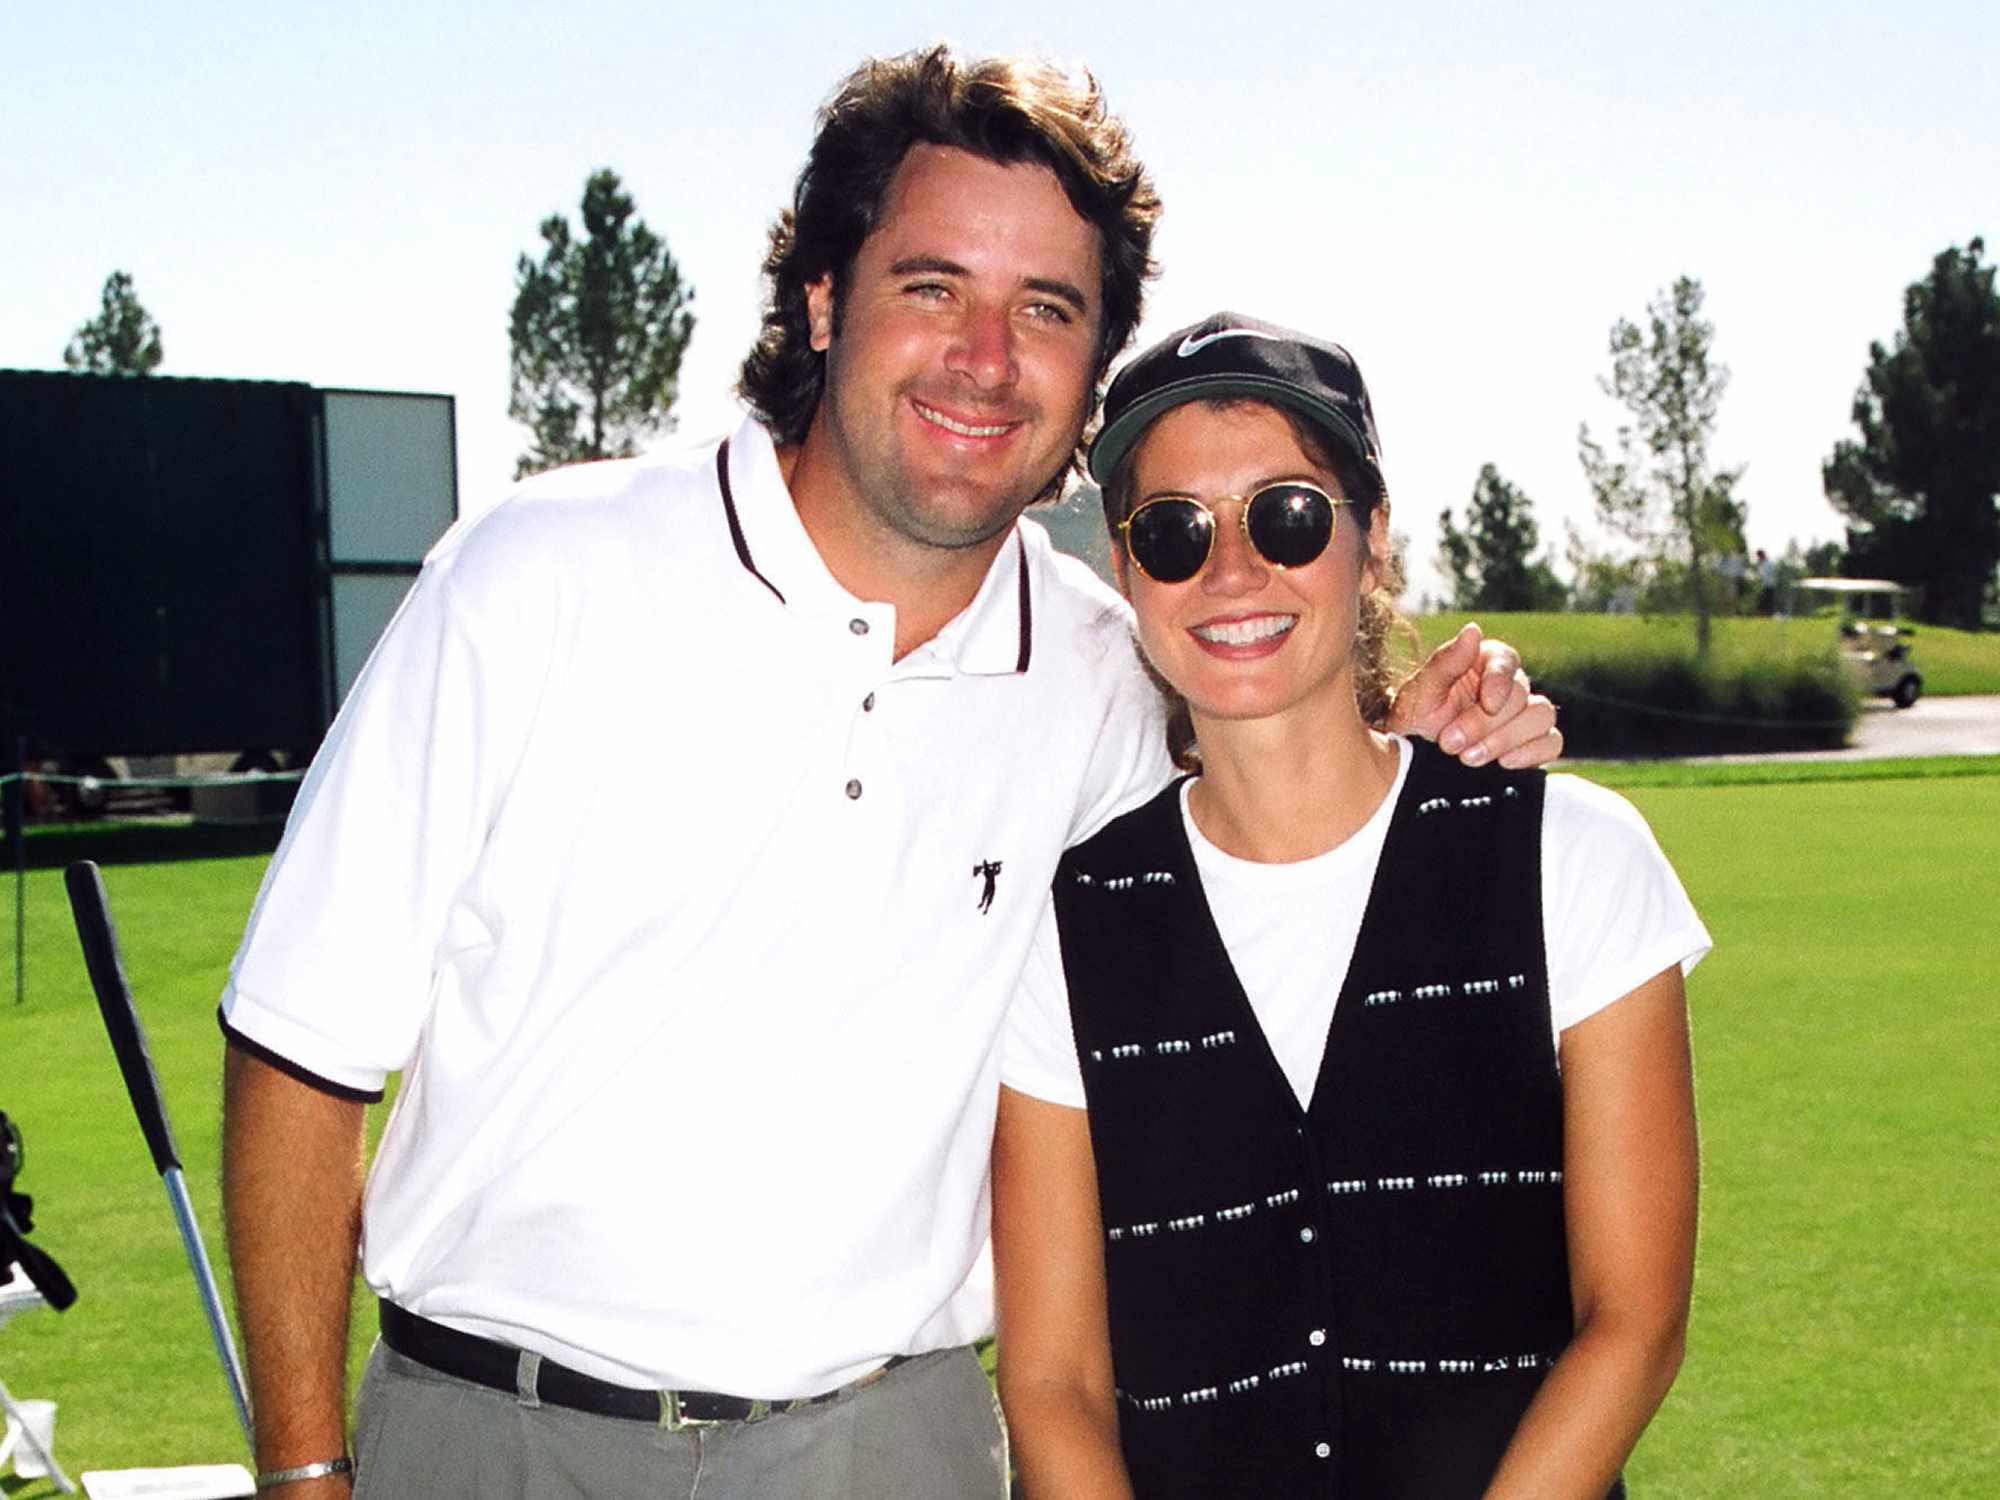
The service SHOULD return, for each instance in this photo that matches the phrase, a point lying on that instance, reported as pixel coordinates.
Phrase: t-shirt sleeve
(1613, 911)
(336, 971)
(1039, 1056)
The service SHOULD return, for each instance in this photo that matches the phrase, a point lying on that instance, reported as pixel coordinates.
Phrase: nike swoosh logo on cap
(1192, 345)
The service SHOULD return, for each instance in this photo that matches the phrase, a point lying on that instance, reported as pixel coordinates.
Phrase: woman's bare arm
(1630, 1171)
(1055, 1344)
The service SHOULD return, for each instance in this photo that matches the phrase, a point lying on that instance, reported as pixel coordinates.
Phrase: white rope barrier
(1561, 691)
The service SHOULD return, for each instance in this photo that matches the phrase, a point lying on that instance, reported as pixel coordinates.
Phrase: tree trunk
(1693, 516)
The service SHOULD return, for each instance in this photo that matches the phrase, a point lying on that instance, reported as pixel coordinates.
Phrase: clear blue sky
(1467, 195)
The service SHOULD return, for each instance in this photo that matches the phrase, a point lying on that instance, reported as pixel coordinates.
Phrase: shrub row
(1663, 700)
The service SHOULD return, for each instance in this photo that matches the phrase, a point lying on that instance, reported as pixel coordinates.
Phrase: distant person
(1767, 583)
(1347, 1142)
(681, 846)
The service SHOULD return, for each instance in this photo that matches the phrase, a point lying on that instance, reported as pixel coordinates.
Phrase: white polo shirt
(691, 920)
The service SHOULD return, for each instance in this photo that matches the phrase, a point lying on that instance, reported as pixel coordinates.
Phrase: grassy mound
(1953, 662)
(1633, 685)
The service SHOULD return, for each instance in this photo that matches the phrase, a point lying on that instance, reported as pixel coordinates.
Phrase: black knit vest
(1360, 1298)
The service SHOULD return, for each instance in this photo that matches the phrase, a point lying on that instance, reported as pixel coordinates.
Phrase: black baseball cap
(1228, 354)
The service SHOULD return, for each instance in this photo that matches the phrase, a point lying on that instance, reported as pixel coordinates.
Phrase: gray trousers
(927, 1430)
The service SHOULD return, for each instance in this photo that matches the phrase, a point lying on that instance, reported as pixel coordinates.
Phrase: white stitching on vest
(1167, 1047)
(1443, 991)
(1357, 1364)
(1126, 882)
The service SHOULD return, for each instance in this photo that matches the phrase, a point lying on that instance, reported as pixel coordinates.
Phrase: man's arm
(1473, 699)
(291, 1195)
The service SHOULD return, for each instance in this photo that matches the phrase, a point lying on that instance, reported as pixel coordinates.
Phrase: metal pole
(17, 833)
(32, 1443)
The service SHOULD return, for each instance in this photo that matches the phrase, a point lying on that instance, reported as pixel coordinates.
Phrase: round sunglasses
(1288, 524)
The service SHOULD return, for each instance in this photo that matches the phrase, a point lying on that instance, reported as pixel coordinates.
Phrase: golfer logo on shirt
(989, 871)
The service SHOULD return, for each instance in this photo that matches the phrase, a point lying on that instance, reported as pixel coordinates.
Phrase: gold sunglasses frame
(1242, 521)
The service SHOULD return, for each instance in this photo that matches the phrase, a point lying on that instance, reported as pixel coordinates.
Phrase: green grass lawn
(1845, 1038)
(1952, 661)
(131, 1364)
(1846, 1045)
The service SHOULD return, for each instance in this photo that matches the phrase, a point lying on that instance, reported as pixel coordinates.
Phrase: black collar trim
(1027, 611)
(736, 529)
(749, 564)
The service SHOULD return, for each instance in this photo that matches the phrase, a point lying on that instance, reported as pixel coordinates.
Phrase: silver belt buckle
(674, 1419)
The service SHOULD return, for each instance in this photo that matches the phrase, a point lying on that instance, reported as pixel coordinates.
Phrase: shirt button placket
(859, 627)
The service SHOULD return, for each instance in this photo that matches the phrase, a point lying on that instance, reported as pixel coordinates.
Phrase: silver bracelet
(270, 1479)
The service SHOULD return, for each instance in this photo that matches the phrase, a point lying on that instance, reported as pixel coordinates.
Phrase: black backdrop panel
(159, 584)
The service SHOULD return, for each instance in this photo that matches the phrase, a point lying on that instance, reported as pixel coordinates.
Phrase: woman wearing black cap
(1348, 1141)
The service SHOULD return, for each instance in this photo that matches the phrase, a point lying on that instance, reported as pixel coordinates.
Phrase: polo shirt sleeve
(1128, 759)
(335, 975)
(1039, 1057)
(1613, 910)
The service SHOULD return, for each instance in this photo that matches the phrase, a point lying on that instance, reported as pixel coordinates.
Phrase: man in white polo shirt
(680, 847)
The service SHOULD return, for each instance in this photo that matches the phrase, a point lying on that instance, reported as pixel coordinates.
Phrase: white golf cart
(1874, 641)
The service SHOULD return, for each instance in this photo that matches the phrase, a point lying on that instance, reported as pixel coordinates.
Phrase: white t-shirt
(691, 918)
(1613, 915)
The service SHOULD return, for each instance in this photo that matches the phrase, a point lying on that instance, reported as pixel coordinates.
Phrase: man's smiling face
(960, 366)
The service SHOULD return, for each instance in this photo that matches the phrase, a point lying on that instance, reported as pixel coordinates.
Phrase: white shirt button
(853, 790)
(868, 704)
(1316, 1337)
(1323, 1450)
(858, 625)
(1306, 1235)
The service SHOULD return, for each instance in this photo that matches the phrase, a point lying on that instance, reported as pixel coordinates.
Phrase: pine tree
(1492, 562)
(122, 339)
(1921, 488)
(598, 329)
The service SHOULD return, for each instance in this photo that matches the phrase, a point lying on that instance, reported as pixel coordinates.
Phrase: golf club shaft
(128, 1040)
(211, 1298)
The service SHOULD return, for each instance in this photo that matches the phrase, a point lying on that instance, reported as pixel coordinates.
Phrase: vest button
(1316, 1337)
(868, 704)
(1306, 1235)
(853, 790)
(858, 625)
(1323, 1450)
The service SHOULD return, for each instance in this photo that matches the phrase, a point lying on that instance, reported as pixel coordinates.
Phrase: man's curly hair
(1002, 109)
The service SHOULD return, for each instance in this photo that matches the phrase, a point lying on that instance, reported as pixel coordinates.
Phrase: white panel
(391, 483)
(362, 605)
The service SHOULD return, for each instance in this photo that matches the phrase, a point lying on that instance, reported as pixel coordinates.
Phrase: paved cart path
(1932, 726)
